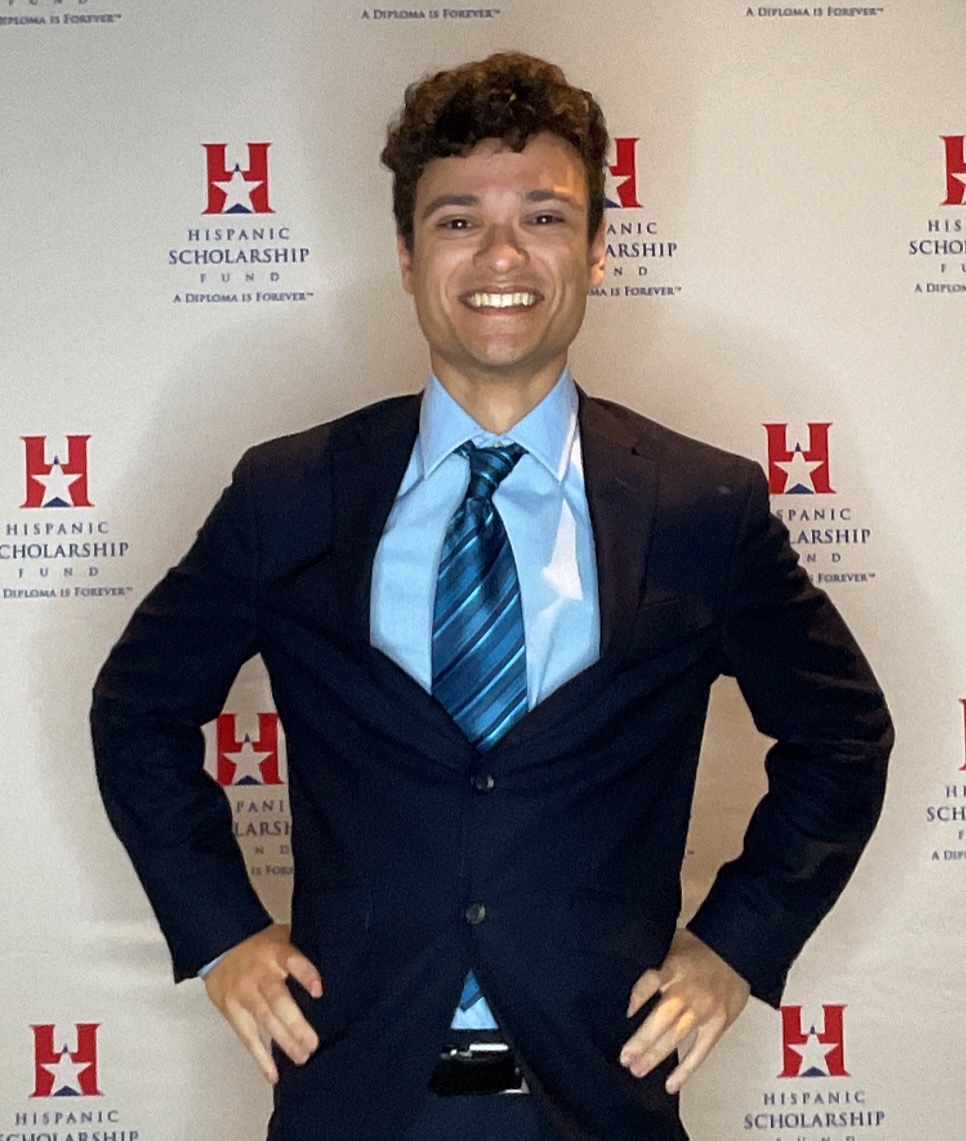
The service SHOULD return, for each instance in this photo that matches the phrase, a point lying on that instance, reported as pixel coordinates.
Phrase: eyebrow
(443, 200)
(552, 196)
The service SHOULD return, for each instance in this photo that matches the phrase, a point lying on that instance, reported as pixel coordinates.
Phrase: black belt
(478, 1067)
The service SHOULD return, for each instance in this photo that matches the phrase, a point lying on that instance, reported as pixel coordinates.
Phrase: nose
(501, 249)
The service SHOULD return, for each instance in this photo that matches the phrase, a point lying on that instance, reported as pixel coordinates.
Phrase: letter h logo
(247, 761)
(60, 1071)
(237, 191)
(624, 167)
(797, 470)
(955, 168)
(56, 484)
(813, 1053)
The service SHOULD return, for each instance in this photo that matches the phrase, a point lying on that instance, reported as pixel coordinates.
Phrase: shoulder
(305, 452)
(285, 484)
(677, 457)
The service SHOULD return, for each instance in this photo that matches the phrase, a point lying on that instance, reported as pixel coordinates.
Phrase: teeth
(500, 300)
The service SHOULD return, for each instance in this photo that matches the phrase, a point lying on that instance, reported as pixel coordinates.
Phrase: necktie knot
(489, 467)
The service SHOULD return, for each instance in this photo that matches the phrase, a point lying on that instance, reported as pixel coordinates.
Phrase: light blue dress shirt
(543, 505)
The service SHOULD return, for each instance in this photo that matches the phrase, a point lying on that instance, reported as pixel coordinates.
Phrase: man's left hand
(700, 995)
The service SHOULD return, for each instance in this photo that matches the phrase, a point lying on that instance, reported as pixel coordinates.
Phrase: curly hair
(508, 96)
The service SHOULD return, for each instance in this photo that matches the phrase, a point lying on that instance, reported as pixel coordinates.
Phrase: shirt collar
(547, 432)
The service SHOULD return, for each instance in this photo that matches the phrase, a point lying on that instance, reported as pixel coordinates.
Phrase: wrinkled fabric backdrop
(198, 253)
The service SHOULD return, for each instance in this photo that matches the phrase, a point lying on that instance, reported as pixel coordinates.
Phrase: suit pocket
(663, 625)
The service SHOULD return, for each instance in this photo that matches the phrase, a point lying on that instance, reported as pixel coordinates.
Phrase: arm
(168, 675)
(809, 687)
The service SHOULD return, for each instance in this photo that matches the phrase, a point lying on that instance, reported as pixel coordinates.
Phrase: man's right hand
(247, 984)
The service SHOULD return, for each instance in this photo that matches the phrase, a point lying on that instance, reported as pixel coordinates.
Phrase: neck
(498, 404)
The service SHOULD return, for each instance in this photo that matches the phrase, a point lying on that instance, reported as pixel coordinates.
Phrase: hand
(247, 984)
(700, 994)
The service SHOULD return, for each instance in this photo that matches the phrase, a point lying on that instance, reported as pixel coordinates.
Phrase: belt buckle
(478, 1068)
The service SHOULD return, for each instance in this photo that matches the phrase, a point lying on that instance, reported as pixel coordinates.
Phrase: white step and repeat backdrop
(197, 253)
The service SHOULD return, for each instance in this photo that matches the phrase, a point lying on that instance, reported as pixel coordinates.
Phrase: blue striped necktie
(479, 652)
(479, 657)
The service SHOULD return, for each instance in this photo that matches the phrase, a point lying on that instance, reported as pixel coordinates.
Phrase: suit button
(474, 914)
(483, 782)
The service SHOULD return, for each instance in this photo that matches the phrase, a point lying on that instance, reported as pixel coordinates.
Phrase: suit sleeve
(167, 676)
(808, 687)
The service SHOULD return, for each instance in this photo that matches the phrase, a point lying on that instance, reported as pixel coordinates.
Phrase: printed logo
(798, 470)
(59, 1069)
(812, 1053)
(623, 168)
(232, 190)
(61, 482)
(955, 169)
(637, 247)
(239, 256)
(247, 761)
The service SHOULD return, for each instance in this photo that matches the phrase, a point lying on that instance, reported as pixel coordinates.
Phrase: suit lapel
(363, 465)
(367, 460)
(366, 474)
(621, 486)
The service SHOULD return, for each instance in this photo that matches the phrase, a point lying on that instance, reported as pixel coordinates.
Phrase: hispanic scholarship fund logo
(238, 250)
(640, 260)
(58, 547)
(246, 755)
(816, 1096)
(941, 254)
(66, 1082)
(825, 531)
(947, 818)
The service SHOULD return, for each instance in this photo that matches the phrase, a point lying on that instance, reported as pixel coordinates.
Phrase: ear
(597, 256)
(405, 255)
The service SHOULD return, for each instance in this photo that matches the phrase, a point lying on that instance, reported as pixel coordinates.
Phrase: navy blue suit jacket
(574, 847)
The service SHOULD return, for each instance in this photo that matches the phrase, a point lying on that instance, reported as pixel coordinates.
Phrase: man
(488, 848)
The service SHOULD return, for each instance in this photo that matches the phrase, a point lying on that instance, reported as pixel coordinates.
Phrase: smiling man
(491, 615)
(499, 261)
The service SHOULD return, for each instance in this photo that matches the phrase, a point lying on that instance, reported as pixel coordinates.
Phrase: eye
(458, 223)
(546, 218)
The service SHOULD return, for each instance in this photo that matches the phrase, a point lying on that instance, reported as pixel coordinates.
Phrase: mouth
(481, 300)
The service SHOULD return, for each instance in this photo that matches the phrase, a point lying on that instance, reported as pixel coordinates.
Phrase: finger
(661, 1033)
(245, 1026)
(646, 986)
(658, 1023)
(304, 972)
(704, 1041)
(640, 1063)
(280, 1018)
(292, 1043)
(266, 1063)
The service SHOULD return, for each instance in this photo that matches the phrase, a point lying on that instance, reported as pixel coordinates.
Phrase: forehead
(492, 169)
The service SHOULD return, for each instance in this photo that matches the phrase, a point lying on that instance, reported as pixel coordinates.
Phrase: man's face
(501, 263)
